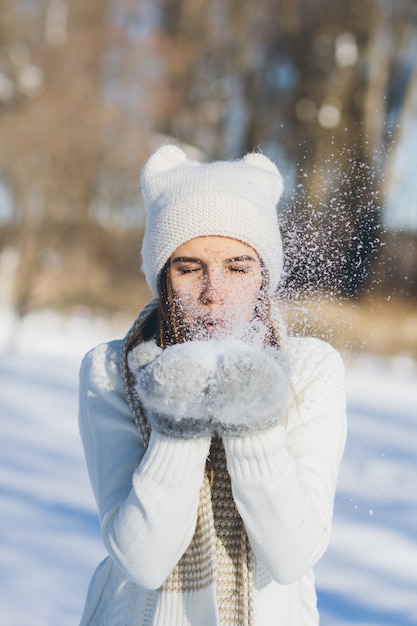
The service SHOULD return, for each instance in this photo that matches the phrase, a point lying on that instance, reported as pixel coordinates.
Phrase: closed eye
(239, 270)
(184, 265)
(241, 265)
(188, 270)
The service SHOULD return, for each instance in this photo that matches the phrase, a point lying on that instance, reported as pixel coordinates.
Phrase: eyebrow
(244, 257)
(186, 259)
(235, 259)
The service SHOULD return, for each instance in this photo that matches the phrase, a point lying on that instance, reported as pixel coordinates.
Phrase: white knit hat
(186, 199)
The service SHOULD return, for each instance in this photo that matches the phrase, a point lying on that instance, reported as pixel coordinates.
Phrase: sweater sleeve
(284, 480)
(147, 499)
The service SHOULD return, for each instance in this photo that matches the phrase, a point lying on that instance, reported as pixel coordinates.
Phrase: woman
(212, 440)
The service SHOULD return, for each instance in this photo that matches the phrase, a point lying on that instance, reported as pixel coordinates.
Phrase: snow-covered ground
(49, 539)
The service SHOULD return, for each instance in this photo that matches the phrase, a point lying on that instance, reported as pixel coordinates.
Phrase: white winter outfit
(214, 465)
(283, 481)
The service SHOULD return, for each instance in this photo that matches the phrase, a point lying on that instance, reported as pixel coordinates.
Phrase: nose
(213, 287)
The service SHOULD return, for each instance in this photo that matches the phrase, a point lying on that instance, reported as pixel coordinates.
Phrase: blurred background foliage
(327, 88)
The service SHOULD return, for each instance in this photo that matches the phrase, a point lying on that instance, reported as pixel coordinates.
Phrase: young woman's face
(216, 283)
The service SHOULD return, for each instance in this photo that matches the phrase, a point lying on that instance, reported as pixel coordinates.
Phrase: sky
(49, 533)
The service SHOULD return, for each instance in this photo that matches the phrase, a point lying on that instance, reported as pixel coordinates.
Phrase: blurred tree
(70, 141)
(88, 89)
(391, 113)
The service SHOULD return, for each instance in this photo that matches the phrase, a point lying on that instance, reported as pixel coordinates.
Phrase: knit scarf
(219, 552)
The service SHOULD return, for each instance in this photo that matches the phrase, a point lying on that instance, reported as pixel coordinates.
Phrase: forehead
(214, 247)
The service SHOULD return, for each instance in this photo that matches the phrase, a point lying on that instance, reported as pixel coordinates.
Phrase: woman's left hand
(250, 389)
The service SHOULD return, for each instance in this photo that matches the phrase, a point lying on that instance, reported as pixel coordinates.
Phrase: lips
(213, 324)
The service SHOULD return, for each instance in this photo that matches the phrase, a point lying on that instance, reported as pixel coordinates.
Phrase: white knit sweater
(283, 483)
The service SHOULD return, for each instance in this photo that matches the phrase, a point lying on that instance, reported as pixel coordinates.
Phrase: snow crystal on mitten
(142, 354)
(250, 390)
(173, 390)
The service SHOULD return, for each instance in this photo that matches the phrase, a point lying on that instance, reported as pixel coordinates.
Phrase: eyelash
(239, 270)
(189, 270)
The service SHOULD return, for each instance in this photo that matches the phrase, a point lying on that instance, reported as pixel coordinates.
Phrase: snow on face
(216, 283)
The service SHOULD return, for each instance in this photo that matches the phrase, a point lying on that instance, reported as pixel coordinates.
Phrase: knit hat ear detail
(260, 161)
(256, 159)
(163, 160)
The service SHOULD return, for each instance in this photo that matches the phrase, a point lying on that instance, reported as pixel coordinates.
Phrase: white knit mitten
(250, 389)
(173, 387)
(191, 389)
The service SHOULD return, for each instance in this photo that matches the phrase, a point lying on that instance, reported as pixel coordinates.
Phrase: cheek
(241, 306)
(243, 297)
(186, 295)
(185, 286)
